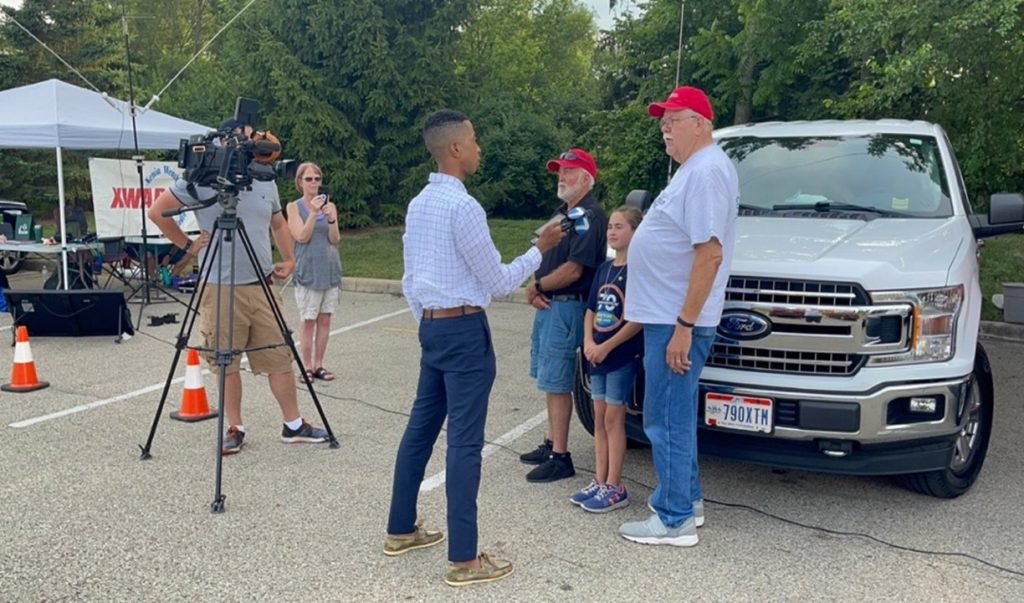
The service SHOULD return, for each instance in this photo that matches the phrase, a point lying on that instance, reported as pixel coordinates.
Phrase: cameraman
(259, 209)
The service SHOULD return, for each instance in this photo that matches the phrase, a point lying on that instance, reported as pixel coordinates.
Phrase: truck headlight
(933, 335)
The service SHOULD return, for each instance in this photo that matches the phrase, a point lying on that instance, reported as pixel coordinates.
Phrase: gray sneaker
(490, 570)
(652, 531)
(233, 440)
(305, 433)
(420, 539)
(698, 509)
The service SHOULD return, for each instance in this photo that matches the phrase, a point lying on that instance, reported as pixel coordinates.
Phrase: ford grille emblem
(743, 325)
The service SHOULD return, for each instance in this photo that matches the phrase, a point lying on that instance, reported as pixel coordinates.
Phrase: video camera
(230, 158)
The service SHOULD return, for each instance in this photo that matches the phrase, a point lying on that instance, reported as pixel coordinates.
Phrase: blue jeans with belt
(670, 421)
(457, 370)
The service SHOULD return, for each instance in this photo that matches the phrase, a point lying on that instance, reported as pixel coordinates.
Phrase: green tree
(956, 64)
(346, 84)
(86, 35)
(526, 80)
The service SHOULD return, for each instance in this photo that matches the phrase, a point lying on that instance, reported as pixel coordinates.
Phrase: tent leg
(63, 223)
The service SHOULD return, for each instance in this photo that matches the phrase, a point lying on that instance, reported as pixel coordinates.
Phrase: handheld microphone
(577, 218)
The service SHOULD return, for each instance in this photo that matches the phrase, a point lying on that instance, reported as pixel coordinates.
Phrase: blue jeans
(670, 421)
(557, 334)
(457, 371)
(615, 387)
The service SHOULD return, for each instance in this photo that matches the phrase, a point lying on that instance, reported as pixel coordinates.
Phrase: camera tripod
(227, 227)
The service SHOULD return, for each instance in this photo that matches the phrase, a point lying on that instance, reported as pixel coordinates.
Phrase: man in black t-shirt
(559, 291)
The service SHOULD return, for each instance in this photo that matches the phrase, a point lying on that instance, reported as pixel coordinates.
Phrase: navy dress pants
(457, 371)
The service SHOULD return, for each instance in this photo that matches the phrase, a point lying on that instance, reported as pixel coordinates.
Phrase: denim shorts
(614, 388)
(557, 334)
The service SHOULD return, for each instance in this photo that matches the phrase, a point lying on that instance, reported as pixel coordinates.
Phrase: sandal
(323, 374)
(309, 376)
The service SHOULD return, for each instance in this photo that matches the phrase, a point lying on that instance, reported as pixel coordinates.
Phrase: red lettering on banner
(128, 198)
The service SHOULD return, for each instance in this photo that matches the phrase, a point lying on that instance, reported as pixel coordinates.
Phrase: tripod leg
(222, 358)
(183, 335)
(286, 334)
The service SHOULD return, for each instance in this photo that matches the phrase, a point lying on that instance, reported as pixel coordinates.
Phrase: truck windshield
(889, 175)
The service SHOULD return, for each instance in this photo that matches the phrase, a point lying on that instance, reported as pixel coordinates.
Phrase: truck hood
(884, 253)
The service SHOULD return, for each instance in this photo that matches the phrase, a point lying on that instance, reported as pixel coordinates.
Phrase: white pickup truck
(849, 341)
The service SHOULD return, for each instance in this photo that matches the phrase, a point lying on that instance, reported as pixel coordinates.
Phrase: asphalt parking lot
(84, 519)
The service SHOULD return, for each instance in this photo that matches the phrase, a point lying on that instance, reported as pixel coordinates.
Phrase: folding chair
(118, 264)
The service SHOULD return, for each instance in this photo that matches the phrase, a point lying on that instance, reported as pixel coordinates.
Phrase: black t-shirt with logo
(588, 249)
(608, 303)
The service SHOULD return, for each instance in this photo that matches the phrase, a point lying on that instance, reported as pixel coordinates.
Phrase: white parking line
(158, 386)
(438, 478)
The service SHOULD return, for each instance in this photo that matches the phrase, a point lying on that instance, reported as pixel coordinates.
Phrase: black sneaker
(538, 456)
(233, 441)
(558, 466)
(305, 433)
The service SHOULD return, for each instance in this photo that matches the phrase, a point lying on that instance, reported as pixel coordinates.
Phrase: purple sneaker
(581, 497)
(608, 498)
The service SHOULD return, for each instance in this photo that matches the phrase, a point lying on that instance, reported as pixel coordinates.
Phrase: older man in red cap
(559, 292)
(678, 268)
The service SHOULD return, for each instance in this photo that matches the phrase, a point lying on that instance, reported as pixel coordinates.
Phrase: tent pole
(63, 222)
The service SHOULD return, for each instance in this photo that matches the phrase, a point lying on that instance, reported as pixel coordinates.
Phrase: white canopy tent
(57, 115)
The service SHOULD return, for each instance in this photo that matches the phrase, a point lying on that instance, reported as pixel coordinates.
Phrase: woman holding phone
(313, 221)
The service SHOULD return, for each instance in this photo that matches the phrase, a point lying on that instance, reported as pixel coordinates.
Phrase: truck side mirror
(639, 199)
(1005, 208)
(1005, 214)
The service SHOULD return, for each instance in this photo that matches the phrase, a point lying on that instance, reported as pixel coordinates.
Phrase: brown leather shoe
(490, 570)
(420, 539)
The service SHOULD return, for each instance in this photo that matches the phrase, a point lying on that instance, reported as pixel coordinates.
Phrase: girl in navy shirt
(612, 346)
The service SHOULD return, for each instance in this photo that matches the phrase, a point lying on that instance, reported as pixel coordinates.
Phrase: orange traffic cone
(194, 406)
(23, 373)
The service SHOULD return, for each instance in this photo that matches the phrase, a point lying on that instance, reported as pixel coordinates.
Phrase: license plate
(744, 413)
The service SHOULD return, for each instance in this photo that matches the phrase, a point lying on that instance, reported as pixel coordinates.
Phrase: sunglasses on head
(570, 156)
(311, 178)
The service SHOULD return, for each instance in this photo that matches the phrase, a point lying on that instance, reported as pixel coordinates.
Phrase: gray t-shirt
(700, 203)
(255, 209)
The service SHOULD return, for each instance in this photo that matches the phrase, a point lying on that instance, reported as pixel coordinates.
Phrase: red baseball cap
(684, 97)
(575, 157)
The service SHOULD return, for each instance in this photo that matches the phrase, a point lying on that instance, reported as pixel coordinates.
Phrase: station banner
(116, 197)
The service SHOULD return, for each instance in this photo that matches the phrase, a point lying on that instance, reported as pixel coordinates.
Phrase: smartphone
(323, 190)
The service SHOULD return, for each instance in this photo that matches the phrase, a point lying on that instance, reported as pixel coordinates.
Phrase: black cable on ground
(807, 526)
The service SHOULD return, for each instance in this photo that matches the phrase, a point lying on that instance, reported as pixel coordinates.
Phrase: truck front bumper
(871, 433)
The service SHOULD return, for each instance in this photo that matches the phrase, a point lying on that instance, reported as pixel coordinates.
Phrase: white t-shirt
(699, 204)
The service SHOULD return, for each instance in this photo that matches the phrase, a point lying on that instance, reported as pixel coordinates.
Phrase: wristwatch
(187, 246)
(540, 289)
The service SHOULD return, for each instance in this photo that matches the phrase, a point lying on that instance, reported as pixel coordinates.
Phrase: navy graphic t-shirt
(608, 303)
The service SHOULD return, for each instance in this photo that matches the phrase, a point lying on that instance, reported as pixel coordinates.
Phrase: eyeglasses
(311, 178)
(671, 121)
(570, 156)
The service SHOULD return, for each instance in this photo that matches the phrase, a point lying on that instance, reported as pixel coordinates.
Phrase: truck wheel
(581, 394)
(971, 444)
(11, 261)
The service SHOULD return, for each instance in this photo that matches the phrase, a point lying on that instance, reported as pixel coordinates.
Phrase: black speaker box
(74, 313)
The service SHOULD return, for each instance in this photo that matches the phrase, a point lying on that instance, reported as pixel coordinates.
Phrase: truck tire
(11, 261)
(972, 443)
(581, 394)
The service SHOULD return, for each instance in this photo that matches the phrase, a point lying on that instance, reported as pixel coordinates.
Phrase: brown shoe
(489, 571)
(420, 539)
